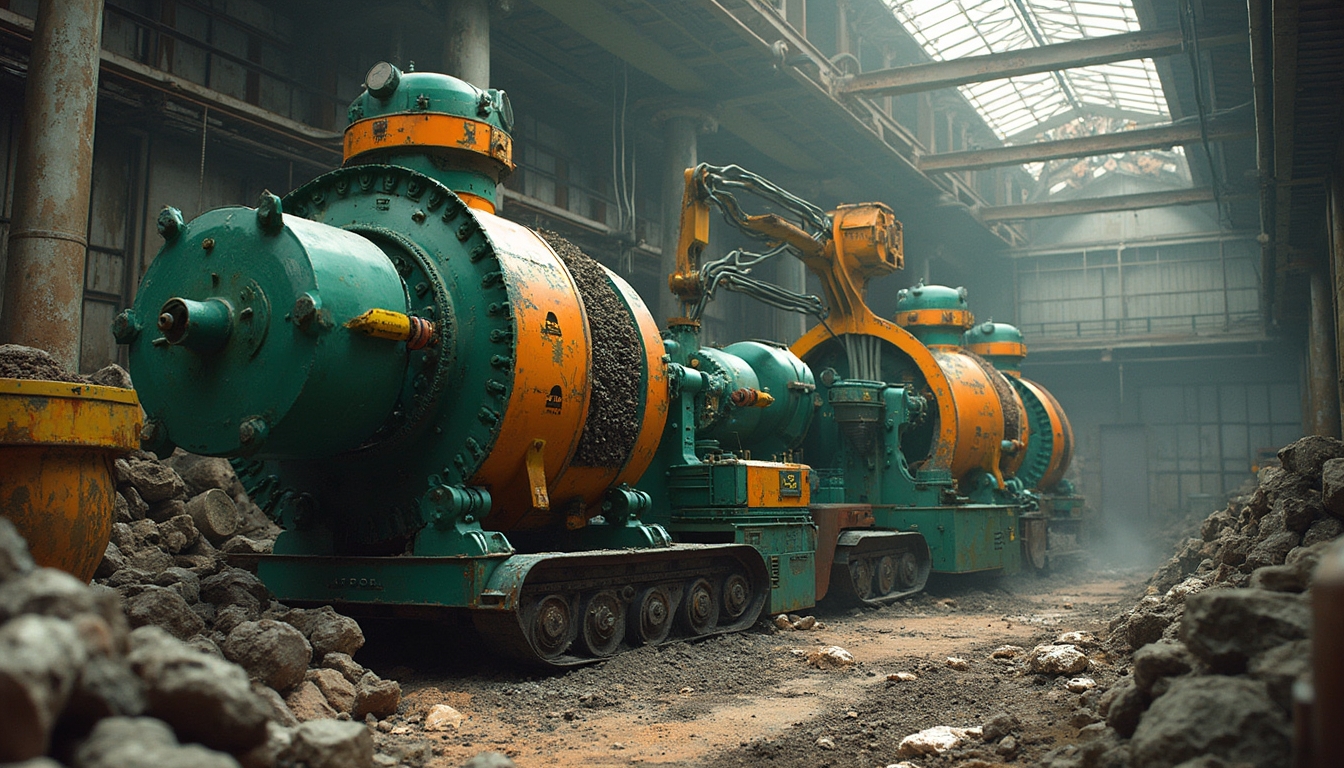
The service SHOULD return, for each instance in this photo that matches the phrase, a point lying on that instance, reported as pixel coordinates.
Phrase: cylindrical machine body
(1049, 449)
(987, 410)
(757, 367)
(44, 281)
(543, 382)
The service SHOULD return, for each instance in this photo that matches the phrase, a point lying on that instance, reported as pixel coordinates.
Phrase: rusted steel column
(466, 42)
(1323, 386)
(44, 283)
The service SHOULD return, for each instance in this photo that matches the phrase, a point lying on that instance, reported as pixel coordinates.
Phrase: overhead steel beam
(917, 78)
(1098, 205)
(598, 23)
(1087, 146)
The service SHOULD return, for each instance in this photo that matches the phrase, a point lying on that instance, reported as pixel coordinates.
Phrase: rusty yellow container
(57, 444)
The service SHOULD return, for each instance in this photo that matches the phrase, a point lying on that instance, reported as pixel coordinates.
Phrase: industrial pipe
(44, 285)
(466, 41)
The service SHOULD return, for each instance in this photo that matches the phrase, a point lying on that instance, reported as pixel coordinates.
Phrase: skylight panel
(954, 29)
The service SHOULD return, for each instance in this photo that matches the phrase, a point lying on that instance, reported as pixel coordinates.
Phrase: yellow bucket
(57, 444)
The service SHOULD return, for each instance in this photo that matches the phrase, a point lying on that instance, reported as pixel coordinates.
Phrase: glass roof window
(1018, 108)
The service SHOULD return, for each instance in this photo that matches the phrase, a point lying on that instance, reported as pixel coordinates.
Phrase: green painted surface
(994, 333)
(428, 581)
(934, 297)
(266, 389)
(430, 93)
(961, 539)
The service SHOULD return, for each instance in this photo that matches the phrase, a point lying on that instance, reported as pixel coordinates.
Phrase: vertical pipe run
(44, 285)
(679, 153)
(1322, 384)
(466, 42)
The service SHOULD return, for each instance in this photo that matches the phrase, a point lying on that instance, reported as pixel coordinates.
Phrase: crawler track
(874, 567)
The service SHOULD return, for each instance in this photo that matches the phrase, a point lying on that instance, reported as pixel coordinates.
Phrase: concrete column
(1336, 240)
(466, 43)
(680, 134)
(44, 285)
(791, 274)
(1322, 386)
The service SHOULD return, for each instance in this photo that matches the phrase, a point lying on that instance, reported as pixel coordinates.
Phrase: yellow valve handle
(536, 475)
(417, 332)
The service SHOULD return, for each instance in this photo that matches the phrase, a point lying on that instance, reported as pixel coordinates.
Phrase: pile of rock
(1215, 645)
(78, 685)
(176, 521)
(172, 657)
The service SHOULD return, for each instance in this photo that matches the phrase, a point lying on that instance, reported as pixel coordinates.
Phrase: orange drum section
(588, 484)
(1061, 453)
(979, 412)
(552, 357)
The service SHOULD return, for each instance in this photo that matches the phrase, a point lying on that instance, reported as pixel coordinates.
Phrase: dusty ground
(750, 699)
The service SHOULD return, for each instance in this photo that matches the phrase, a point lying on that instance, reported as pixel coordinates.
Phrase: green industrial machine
(449, 413)
(1048, 453)
(421, 394)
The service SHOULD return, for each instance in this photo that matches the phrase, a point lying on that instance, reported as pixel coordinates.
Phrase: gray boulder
(1306, 457)
(376, 696)
(1160, 660)
(154, 481)
(164, 608)
(327, 630)
(234, 586)
(204, 698)
(1226, 627)
(1123, 705)
(1279, 667)
(143, 742)
(40, 659)
(330, 744)
(1332, 486)
(1226, 717)
(272, 652)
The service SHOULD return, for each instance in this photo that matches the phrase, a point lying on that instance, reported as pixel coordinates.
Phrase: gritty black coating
(20, 362)
(613, 417)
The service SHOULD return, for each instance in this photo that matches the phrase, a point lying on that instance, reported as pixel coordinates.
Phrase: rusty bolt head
(208, 243)
(304, 308)
(170, 222)
(125, 327)
(251, 431)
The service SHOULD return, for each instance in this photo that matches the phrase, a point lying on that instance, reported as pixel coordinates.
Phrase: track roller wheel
(603, 625)
(861, 576)
(650, 616)
(699, 610)
(736, 595)
(886, 575)
(907, 570)
(552, 626)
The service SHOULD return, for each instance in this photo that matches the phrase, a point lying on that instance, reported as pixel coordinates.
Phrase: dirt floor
(753, 699)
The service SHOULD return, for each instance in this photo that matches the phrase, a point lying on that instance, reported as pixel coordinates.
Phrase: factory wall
(1193, 426)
